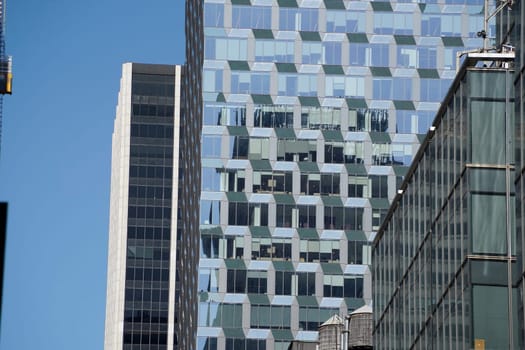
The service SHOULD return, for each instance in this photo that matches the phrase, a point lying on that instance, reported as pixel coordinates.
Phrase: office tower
(150, 273)
(311, 111)
(442, 257)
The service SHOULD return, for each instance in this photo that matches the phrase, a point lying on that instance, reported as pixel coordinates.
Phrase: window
(379, 55)
(379, 186)
(259, 148)
(220, 114)
(296, 150)
(312, 52)
(427, 57)
(407, 56)
(237, 213)
(333, 218)
(258, 214)
(383, 23)
(257, 282)
(283, 283)
(403, 90)
(381, 153)
(307, 216)
(310, 183)
(239, 147)
(332, 53)
(286, 215)
(252, 17)
(210, 212)
(368, 120)
(271, 116)
(382, 88)
(333, 286)
(329, 251)
(321, 118)
(353, 287)
(213, 15)
(333, 152)
(354, 152)
(355, 252)
(303, 19)
(287, 84)
(217, 48)
(274, 51)
(345, 21)
(236, 281)
(358, 186)
(211, 146)
(330, 184)
(270, 316)
(266, 181)
(208, 280)
(309, 251)
(306, 283)
(307, 85)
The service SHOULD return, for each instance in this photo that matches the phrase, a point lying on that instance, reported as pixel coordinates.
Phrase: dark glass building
(151, 267)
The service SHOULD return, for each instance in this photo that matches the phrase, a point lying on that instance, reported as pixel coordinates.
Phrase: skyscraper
(311, 115)
(151, 268)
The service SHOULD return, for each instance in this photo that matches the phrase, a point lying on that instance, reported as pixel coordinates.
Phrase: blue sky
(56, 153)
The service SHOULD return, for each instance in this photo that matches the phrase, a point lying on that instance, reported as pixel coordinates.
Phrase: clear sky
(56, 154)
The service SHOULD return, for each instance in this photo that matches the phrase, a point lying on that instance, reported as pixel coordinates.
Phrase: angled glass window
(382, 88)
(275, 182)
(379, 186)
(335, 86)
(260, 83)
(237, 213)
(286, 215)
(210, 212)
(332, 53)
(359, 186)
(333, 218)
(383, 23)
(353, 218)
(355, 252)
(216, 48)
(431, 25)
(330, 184)
(403, 23)
(345, 21)
(259, 148)
(296, 150)
(283, 282)
(212, 80)
(307, 85)
(211, 146)
(353, 287)
(261, 248)
(368, 120)
(379, 55)
(309, 251)
(213, 15)
(334, 152)
(310, 184)
(240, 82)
(407, 56)
(257, 282)
(307, 216)
(209, 280)
(329, 251)
(222, 114)
(271, 50)
(427, 57)
(258, 214)
(402, 153)
(359, 54)
(239, 147)
(236, 281)
(403, 89)
(306, 281)
(353, 152)
(312, 52)
(287, 84)
(273, 116)
(251, 17)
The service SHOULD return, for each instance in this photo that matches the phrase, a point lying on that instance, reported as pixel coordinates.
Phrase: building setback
(146, 283)
(310, 116)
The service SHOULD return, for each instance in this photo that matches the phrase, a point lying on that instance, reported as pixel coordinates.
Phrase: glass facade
(143, 295)
(309, 119)
(445, 258)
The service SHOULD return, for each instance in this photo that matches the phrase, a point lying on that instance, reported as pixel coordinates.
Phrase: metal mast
(6, 75)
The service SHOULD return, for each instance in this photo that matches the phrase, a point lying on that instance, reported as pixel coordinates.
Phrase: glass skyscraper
(311, 112)
(151, 266)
